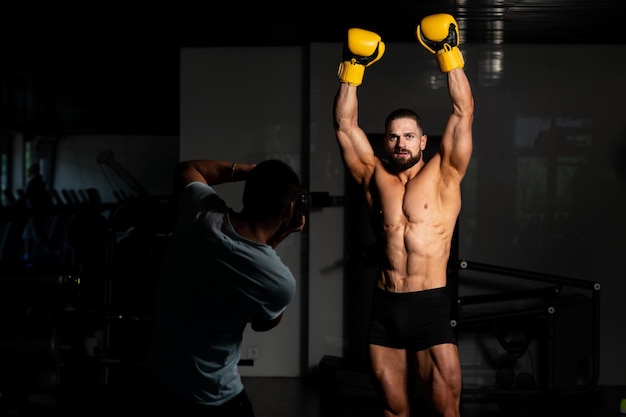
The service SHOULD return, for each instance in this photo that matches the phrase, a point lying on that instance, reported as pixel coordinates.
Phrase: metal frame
(551, 295)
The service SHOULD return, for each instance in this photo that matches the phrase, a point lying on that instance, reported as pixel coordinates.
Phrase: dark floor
(289, 397)
(305, 397)
(293, 397)
(98, 388)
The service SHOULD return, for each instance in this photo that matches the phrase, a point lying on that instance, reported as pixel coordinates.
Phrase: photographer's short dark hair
(270, 186)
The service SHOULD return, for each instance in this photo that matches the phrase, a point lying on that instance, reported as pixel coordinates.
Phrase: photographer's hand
(285, 230)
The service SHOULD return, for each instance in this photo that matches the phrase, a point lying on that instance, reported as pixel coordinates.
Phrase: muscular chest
(416, 202)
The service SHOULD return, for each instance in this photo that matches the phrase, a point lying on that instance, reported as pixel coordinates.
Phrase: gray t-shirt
(213, 283)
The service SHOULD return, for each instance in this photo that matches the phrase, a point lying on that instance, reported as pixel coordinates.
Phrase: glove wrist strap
(450, 59)
(351, 74)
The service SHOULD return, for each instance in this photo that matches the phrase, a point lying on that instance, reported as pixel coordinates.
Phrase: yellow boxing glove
(361, 49)
(439, 34)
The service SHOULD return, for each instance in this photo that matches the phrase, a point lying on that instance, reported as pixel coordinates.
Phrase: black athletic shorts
(412, 321)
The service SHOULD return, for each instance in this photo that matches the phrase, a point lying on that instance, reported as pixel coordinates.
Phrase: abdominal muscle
(415, 254)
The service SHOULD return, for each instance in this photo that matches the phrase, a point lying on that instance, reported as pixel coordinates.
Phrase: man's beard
(401, 164)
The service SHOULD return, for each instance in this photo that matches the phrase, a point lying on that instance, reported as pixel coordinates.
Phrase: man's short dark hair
(270, 186)
(403, 114)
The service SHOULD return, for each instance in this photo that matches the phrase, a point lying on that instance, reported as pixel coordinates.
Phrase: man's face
(404, 142)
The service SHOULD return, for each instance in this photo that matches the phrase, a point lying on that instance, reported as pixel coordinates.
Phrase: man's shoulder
(200, 196)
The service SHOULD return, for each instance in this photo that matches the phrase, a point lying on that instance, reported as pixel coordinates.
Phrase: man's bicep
(463, 144)
(184, 174)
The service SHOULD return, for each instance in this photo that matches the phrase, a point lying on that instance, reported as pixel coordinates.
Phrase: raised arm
(456, 141)
(361, 49)
(211, 172)
(356, 150)
(439, 34)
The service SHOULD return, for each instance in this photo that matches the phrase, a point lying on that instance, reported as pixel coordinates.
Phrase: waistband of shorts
(431, 291)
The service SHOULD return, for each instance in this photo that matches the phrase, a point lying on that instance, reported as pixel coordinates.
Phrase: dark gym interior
(51, 319)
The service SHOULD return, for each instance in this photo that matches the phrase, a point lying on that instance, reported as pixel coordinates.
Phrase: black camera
(301, 208)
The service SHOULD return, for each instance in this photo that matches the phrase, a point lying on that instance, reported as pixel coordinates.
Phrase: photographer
(221, 272)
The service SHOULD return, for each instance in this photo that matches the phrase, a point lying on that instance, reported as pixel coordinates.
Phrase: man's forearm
(345, 107)
(460, 92)
(211, 172)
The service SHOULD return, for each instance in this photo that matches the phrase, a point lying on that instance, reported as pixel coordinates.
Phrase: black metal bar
(305, 243)
(521, 273)
(481, 318)
(595, 300)
(505, 296)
